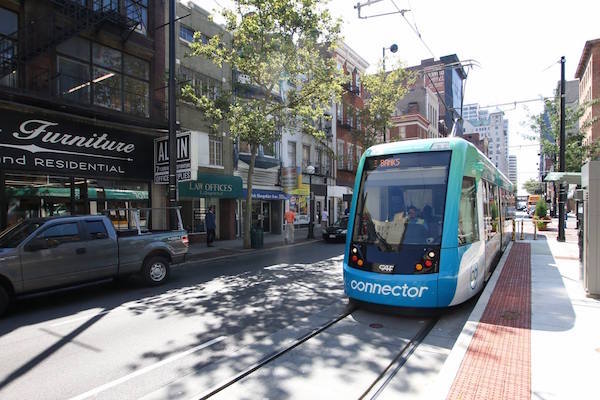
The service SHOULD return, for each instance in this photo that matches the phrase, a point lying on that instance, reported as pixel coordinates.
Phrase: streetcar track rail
(386, 376)
(275, 355)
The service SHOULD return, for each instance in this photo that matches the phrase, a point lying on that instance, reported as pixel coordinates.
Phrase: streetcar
(428, 223)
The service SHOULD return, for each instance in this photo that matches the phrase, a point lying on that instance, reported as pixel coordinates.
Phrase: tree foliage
(548, 125)
(384, 90)
(281, 52)
(533, 186)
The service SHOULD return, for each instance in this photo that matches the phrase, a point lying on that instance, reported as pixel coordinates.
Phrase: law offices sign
(161, 159)
(55, 146)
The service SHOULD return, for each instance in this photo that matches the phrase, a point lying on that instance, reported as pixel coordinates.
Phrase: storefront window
(193, 213)
(31, 196)
(35, 196)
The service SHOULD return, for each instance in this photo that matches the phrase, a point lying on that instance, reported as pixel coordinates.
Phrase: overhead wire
(414, 28)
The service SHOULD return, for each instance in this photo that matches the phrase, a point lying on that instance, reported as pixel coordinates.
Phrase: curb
(198, 259)
(449, 370)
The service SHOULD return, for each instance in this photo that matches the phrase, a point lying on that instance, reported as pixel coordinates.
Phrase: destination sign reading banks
(212, 185)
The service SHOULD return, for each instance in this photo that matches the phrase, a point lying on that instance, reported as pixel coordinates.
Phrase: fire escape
(69, 18)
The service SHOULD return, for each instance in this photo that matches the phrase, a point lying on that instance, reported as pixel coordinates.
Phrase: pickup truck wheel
(156, 270)
(4, 300)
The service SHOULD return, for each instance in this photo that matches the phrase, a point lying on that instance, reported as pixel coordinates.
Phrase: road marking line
(79, 318)
(149, 368)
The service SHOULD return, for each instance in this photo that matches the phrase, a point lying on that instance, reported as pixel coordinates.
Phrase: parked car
(337, 231)
(38, 255)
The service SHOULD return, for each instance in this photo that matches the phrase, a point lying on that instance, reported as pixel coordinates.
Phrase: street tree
(383, 90)
(533, 186)
(282, 54)
(548, 125)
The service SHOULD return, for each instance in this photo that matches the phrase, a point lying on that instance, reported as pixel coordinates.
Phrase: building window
(349, 116)
(137, 10)
(350, 157)
(215, 150)
(9, 25)
(118, 81)
(357, 90)
(74, 80)
(338, 110)
(340, 154)
(186, 34)
(106, 5)
(319, 159)
(203, 85)
(204, 39)
(291, 152)
(305, 156)
(107, 89)
(269, 150)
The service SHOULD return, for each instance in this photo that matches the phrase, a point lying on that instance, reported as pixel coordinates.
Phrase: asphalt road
(126, 340)
(209, 322)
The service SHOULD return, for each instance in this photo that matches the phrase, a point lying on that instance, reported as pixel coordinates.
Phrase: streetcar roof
(432, 145)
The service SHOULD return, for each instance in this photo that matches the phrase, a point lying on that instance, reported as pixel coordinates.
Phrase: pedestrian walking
(289, 217)
(324, 218)
(211, 225)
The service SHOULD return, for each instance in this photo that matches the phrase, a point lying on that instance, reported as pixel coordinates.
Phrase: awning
(212, 185)
(572, 178)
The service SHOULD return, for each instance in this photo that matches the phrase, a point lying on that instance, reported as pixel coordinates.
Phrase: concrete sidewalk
(221, 248)
(559, 356)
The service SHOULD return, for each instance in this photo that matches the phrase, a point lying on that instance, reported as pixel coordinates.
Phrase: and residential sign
(212, 185)
(51, 145)
(161, 159)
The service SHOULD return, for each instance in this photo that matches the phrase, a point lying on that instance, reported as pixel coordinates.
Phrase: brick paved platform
(497, 364)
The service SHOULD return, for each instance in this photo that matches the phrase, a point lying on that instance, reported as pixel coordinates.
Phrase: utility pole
(172, 119)
(561, 162)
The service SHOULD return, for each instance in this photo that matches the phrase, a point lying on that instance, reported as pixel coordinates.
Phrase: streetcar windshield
(401, 200)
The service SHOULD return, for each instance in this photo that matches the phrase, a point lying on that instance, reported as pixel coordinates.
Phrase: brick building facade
(79, 89)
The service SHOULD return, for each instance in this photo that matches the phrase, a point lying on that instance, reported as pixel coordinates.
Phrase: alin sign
(211, 185)
(161, 159)
(37, 143)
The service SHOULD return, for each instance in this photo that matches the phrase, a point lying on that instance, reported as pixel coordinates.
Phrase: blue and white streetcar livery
(428, 221)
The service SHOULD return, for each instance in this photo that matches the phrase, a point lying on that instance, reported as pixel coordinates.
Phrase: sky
(517, 44)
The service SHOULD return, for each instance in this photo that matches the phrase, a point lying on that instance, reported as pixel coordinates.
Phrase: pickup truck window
(96, 229)
(11, 238)
(62, 233)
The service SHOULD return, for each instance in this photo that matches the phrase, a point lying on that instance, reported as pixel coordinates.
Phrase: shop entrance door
(266, 212)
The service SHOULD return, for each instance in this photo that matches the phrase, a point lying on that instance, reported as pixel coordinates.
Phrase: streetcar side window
(486, 210)
(468, 229)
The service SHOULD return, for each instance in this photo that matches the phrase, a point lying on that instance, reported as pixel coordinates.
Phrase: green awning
(572, 178)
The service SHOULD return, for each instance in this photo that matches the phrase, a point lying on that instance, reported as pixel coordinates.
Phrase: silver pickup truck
(43, 254)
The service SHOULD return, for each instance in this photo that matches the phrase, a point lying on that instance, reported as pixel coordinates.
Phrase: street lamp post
(310, 170)
(393, 48)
